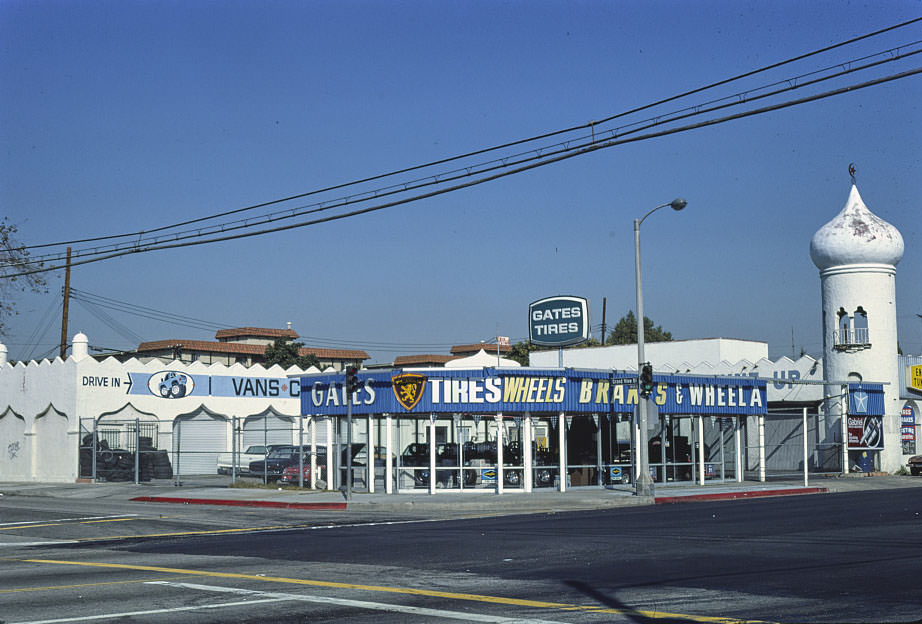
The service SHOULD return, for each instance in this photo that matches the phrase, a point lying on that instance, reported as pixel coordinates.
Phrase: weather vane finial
(851, 172)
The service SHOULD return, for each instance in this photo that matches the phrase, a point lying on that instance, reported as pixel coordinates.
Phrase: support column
(331, 449)
(388, 462)
(370, 454)
(762, 448)
(431, 453)
(738, 435)
(312, 427)
(843, 416)
(562, 455)
(700, 450)
(806, 476)
(499, 453)
(527, 458)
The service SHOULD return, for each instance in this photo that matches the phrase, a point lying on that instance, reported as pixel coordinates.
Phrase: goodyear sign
(501, 390)
(558, 321)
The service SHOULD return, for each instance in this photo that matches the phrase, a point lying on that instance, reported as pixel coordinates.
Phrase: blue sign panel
(558, 321)
(501, 390)
(177, 385)
(866, 399)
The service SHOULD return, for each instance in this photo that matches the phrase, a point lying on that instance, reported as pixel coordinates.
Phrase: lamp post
(643, 484)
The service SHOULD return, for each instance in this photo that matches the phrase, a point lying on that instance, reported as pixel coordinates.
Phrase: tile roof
(236, 348)
(419, 360)
(474, 348)
(255, 332)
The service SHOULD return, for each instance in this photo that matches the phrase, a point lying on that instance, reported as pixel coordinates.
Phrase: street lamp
(643, 484)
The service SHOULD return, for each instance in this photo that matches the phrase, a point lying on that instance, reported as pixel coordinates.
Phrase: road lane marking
(47, 543)
(521, 602)
(64, 520)
(19, 590)
(280, 527)
(37, 526)
(365, 604)
(108, 616)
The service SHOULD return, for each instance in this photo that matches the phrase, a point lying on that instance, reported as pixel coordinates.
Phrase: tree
(14, 261)
(287, 354)
(625, 331)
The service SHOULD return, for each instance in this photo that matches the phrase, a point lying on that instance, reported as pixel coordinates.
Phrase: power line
(526, 164)
(738, 99)
(589, 125)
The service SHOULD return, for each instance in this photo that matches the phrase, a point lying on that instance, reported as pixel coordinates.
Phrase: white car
(252, 453)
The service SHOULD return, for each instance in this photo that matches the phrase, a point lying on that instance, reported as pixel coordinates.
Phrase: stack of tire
(119, 465)
(154, 464)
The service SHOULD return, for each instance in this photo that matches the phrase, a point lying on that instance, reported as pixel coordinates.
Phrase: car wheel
(164, 391)
(513, 478)
(177, 391)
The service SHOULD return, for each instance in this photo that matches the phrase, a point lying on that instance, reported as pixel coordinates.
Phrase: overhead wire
(591, 124)
(563, 154)
(740, 98)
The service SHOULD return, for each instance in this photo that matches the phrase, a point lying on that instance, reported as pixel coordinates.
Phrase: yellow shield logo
(408, 388)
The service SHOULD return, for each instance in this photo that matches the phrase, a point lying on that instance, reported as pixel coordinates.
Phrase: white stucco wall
(42, 405)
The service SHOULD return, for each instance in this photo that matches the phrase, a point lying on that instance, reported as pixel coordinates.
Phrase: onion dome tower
(857, 253)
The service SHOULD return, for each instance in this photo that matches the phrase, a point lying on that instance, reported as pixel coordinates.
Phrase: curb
(238, 503)
(700, 498)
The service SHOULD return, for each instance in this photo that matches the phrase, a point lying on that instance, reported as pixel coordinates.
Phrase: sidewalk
(214, 491)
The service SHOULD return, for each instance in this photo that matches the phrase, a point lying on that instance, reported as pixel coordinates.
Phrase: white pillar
(527, 459)
(388, 463)
(562, 455)
(499, 453)
(312, 427)
(330, 450)
(762, 448)
(738, 435)
(700, 449)
(370, 464)
(843, 416)
(806, 477)
(432, 453)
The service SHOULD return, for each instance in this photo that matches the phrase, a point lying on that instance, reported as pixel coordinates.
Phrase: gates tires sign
(558, 321)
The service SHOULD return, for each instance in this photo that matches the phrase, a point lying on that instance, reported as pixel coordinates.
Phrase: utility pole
(66, 307)
(604, 302)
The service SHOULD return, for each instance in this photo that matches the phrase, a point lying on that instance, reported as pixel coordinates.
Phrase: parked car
(280, 458)
(252, 453)
(915, 465)
(290, 474)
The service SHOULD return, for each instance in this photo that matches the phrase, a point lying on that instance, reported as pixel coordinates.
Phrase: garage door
(198, 439)
(268, 429)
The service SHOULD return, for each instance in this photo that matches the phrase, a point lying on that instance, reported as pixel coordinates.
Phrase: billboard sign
(865, 432)
(558, 321)
(914, 378)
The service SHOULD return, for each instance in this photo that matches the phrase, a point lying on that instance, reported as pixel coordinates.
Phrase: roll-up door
(268, 429)
(199, 439)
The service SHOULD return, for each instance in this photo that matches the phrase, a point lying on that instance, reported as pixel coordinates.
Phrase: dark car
(915, 465)
(279, 459)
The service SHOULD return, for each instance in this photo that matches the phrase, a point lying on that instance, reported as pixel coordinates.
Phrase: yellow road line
(408, 591)
(182, 533)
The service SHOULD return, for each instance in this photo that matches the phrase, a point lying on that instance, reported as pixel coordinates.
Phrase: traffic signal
(646, 380)
(352, 379)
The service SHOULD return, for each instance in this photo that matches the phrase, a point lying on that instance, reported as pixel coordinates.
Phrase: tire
(164, 391)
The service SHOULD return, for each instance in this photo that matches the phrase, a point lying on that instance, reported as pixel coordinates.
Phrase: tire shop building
(520, 429)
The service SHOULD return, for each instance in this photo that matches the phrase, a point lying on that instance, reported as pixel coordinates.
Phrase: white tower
(857, 253)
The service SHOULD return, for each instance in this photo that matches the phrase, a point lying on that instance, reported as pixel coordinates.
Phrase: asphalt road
(853, 557)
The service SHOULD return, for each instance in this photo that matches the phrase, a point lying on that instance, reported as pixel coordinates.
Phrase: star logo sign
(861, 402)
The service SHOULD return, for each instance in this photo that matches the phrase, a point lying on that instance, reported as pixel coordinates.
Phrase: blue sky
(123, 116)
